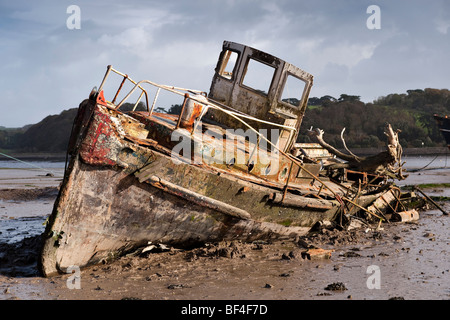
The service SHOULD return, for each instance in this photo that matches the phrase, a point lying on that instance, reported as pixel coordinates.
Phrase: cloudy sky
(47, 67)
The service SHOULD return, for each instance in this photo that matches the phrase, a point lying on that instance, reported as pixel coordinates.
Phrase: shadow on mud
(19, 259)
(20, 233)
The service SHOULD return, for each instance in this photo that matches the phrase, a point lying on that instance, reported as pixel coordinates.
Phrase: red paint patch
(96, 148)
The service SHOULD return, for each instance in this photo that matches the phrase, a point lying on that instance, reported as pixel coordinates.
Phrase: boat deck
(221, 150)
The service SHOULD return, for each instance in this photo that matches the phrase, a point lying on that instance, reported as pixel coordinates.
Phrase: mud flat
(399, 261)
(12, 178)
(412, 261)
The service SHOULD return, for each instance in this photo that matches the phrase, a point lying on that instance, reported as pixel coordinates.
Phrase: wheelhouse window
(293, 90)
(258, 76)
(228, 63)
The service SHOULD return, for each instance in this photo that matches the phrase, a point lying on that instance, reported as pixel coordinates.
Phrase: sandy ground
(399, 261)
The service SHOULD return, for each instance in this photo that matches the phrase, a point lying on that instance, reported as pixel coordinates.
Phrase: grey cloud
(177, 42)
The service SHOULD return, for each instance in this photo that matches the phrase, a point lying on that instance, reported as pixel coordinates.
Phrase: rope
(27, 163)
(416, 170)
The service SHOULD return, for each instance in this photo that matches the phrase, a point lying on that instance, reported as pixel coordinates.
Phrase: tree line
(412, 113)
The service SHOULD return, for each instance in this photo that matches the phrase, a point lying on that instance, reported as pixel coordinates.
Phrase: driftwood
(386, 163)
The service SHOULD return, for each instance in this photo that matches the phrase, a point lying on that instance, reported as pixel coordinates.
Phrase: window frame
(244, 74)
(284, 86)
(222, 60)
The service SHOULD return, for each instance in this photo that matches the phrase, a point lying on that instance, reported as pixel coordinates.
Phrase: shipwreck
(225, 166)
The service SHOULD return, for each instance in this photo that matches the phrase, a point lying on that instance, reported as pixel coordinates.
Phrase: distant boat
(444, 126)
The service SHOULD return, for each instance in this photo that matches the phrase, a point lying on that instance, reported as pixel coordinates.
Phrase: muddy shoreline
(255, 271)
(271, 271)
(412, 260)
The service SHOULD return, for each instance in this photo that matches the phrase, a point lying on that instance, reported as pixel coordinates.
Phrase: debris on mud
(177, 286)
(225, 249)
(336, 286)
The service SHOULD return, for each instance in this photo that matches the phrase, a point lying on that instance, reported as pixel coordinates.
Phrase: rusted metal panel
(97, 147)
(190, 113)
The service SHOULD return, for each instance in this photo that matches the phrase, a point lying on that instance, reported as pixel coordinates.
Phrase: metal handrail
(125, 77)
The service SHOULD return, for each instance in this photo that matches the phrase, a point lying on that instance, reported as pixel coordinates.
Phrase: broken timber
(431, 200)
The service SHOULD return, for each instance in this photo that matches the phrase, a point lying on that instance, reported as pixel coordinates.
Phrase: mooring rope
(423, 168)
(27, 163)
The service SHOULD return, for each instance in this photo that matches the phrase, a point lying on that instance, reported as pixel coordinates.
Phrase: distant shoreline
(406, 151)
(61, 156)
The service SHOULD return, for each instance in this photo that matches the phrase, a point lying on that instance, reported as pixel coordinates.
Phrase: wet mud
(396, 261)
(17, 195)
(411, 259)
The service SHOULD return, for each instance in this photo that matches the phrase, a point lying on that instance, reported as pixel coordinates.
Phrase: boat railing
(143, 91)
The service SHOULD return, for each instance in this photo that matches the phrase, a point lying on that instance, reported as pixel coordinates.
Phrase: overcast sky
(47, 67)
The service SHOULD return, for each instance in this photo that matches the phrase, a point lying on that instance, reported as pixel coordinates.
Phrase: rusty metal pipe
(154, 101)
(138, 85)
(108, 70)
(287, 181)
(137, 102)
(120, 88)
(199, 119)
(186, 97)
(431, 201)
(146, 100)
(361, 207)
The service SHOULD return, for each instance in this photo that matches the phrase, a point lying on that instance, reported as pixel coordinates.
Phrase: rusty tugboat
(226, 167)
